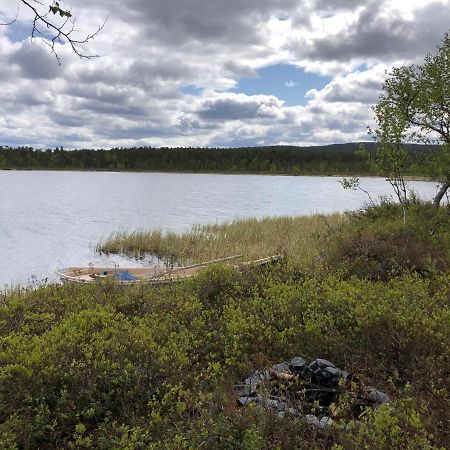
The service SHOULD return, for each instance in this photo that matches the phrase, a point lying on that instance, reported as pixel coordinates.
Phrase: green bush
(376, 244)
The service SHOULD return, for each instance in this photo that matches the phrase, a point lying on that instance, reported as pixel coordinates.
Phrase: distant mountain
(349, 147)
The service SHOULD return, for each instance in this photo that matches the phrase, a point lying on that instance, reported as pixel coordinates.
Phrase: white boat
(151, 275)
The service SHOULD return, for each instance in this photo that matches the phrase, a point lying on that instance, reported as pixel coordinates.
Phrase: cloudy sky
(209, 72)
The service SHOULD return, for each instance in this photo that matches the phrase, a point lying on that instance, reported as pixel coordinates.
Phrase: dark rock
(297, 388)
(332, 372)
(323, 395)
(319, 364)
(332, 376)
(297, 364)
(306, 374)
(299, 367)
(326, 373)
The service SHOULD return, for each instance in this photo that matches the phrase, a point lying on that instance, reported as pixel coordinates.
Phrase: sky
(222, 73)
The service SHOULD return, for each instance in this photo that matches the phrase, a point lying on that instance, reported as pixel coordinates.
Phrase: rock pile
(310, 390)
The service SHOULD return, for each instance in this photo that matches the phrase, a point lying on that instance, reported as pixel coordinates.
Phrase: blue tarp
(125, 276)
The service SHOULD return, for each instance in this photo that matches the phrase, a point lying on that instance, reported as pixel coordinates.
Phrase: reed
(301, 238)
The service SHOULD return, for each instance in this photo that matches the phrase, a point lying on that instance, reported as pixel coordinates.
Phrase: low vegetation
(106, 367)
(376, 243)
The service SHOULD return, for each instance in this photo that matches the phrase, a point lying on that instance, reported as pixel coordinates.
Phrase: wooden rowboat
(151, 275)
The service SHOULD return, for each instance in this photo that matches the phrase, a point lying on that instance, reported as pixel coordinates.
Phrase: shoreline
(283, 174)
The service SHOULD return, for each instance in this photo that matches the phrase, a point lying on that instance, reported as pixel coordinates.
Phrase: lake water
(53, 219)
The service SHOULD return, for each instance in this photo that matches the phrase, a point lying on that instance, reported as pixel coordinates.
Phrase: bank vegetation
(102, 366)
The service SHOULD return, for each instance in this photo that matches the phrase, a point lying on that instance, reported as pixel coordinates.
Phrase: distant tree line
(322, 160)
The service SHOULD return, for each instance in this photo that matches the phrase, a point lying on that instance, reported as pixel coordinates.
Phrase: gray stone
(325, 421)
(299, 367)
(292, 412)
(247, 400)
(375, 396)
(311, 419)
(276, 403)
(246, 391)
(331, 375)
(332, 371)
(281, 407)
(254, 380)
(321, 385)
(281, 368)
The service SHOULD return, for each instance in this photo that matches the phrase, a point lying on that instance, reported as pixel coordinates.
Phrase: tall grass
(302, 239)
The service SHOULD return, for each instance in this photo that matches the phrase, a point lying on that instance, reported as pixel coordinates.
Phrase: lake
(53, 219)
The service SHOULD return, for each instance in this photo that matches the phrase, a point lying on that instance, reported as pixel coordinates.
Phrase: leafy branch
(61, 32)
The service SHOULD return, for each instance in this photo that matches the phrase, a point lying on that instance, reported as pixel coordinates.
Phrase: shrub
(376, 244)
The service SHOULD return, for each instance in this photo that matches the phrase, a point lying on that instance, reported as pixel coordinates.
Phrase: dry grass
(302, 239)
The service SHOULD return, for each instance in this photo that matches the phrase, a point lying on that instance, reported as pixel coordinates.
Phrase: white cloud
(150, 50)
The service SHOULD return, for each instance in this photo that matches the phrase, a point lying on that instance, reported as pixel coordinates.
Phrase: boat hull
(150, 275)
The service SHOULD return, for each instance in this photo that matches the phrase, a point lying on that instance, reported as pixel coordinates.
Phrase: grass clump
(299, 238)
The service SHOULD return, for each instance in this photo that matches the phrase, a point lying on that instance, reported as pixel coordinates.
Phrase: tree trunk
(440, 194)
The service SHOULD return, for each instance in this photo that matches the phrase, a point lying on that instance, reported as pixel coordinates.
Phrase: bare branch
(60, 33)
(11, 21)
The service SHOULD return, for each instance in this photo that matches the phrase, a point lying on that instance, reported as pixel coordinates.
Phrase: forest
(336, 159)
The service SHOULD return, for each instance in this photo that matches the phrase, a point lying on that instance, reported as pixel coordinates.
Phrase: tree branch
(59, 33)
(11, 21)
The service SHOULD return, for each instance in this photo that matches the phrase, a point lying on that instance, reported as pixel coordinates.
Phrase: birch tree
(415, 107)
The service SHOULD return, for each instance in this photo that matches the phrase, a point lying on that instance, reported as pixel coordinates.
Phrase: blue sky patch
(18, 31)
(287, 82)
(21, 31)
(361, 68)
(191, 90)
